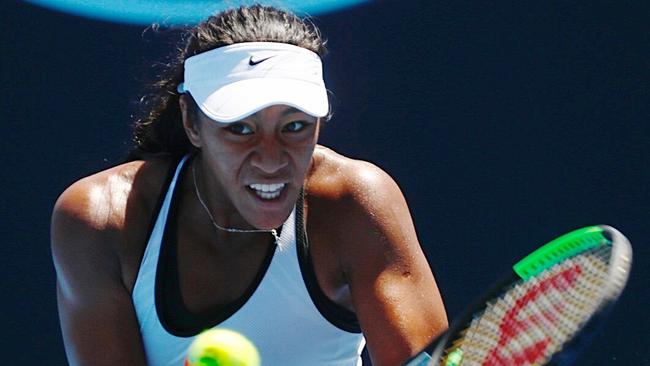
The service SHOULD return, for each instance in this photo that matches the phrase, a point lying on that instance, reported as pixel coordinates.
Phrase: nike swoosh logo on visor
(255, 62)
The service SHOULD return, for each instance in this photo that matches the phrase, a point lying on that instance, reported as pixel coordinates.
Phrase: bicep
(97, 318)
(392, 288)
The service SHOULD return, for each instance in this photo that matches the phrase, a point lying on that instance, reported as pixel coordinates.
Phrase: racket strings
(533, 319)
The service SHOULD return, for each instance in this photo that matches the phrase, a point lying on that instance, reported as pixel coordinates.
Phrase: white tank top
(280, 317)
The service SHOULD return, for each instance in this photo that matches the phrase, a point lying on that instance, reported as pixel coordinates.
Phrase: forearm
(101, 334)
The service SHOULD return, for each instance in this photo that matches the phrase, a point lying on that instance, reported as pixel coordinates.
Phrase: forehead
(271, 112)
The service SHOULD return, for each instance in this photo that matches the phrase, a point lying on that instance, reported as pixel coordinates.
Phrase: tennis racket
(545, 311)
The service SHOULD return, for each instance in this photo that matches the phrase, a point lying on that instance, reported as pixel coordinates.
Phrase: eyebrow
(291, 110)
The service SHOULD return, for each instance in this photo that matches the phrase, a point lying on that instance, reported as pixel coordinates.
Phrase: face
(255, 167)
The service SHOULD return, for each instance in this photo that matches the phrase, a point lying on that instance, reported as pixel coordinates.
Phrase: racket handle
(421, 359)
(432, 352)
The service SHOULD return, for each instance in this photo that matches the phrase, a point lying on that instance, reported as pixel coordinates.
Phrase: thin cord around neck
(228, 229)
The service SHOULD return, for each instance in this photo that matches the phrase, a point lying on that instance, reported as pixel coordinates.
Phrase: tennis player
(231, 215)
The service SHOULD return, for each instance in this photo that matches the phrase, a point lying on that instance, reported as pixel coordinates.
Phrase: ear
(191, 123)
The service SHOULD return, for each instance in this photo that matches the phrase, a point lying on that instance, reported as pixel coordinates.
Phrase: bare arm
(392, 288)
(97, 317)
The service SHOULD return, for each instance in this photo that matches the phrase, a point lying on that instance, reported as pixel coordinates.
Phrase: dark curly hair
(159, 129)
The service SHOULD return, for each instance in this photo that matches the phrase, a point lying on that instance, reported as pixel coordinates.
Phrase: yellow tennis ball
(222, 347)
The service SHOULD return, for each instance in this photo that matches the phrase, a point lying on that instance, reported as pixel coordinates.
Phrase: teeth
(267, 191)
(267, 187)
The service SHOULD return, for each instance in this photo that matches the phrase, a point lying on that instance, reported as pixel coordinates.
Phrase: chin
(271, 213)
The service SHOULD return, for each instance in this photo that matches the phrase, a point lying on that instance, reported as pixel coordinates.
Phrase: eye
(295, 126)
(238, 128)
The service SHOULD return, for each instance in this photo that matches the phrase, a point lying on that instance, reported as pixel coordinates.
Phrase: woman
(233, 216)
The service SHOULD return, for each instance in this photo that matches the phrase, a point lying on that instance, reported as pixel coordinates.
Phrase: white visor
(232, 82)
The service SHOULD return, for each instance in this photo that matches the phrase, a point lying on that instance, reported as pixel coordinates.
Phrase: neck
(207, 192)
(231, 229)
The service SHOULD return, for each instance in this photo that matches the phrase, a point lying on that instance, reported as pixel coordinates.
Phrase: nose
(269, 157)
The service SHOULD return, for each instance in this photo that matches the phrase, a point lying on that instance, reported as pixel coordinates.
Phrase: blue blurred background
(505, 123)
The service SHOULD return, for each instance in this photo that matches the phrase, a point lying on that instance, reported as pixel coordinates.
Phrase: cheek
(231, 166)
(305, 146)
(226, 164)
(303, 158)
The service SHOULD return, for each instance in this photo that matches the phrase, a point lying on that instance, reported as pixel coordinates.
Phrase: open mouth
(267, 191)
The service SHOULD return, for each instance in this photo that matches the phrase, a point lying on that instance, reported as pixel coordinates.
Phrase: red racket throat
(516, 322)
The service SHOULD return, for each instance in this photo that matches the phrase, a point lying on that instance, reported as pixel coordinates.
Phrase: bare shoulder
(96, 216)
(337, 177)
(99, 200)
(364, 201)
